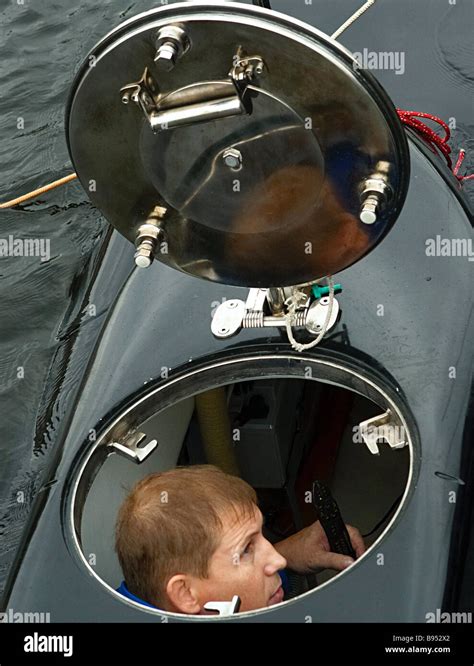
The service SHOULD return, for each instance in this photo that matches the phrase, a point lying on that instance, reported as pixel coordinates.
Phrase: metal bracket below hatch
(134, 447)
(384, 427)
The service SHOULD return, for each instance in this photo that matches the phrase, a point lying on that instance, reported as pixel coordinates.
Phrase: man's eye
(248, 548)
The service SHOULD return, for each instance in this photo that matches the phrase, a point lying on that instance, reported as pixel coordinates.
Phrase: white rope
(352, 19)
(290, 318)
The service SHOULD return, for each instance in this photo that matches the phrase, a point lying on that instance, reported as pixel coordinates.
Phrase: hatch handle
(200, 102)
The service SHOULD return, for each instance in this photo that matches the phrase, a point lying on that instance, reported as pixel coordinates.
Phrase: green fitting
(319, 292)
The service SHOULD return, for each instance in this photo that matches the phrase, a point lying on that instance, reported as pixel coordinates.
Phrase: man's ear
(182, 594)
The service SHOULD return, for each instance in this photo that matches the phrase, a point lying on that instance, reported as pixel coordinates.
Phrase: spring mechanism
(258, 320)
(300, 319)
(253, 320)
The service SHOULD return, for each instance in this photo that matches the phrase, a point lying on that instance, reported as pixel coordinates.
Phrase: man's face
(244, 563)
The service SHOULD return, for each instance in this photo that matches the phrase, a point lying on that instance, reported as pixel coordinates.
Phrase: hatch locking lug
(224, 607)
(384, 426)
(171, 43)
(148, 235)
(374, 193)
(134, 447)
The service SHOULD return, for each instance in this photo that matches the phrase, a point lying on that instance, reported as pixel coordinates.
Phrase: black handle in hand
(331, 520)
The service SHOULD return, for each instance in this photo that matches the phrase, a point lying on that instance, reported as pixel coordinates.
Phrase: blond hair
(171, 522)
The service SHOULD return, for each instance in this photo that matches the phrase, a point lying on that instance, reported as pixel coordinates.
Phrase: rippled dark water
(42, 44)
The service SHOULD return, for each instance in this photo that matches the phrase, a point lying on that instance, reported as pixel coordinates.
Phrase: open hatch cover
(237, 144)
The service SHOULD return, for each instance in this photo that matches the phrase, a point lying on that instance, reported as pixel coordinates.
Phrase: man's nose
(275, 561)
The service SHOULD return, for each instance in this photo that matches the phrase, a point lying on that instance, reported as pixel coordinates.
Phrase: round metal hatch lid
(240, 145)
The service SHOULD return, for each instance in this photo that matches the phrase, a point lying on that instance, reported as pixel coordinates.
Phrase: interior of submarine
(279, 435)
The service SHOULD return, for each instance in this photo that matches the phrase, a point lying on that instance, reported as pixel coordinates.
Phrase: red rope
(462, 155)
(410, 118)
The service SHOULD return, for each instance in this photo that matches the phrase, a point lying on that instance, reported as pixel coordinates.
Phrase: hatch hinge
(289, 307)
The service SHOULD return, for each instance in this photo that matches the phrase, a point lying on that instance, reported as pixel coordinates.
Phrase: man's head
(193, 535)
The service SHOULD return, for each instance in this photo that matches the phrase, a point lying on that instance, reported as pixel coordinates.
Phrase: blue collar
(123, 589)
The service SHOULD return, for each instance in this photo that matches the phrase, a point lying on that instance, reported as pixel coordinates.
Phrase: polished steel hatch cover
(237, 144)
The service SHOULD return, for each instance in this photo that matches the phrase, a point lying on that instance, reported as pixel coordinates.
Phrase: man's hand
(308, 550)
